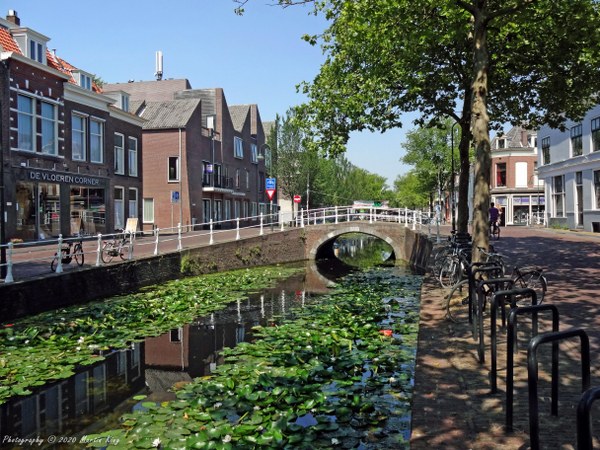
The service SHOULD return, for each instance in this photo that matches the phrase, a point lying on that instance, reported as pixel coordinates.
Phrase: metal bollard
(210, 225)
(156, 233)
(237, 229)
(99, 251)
(261, 224)
(59, 267)
(179, 246)
(9, 264)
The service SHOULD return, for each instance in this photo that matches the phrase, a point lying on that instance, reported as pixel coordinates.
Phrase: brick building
(70, 156)
(515, 187)
(203, 159)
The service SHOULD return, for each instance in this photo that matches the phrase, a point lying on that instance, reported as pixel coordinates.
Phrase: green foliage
(410, 191)
(325, 379)
(49, 346)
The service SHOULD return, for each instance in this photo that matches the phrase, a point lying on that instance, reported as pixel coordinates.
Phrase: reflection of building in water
(68, 407)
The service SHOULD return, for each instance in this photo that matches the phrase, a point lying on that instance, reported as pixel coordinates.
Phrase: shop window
(133, 202)
(25, 121)
(89, 205)
(597, 188)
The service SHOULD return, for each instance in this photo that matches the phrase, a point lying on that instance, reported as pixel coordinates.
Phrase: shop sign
(35, 175)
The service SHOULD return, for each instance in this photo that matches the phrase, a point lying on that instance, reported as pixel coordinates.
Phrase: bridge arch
(322, 243)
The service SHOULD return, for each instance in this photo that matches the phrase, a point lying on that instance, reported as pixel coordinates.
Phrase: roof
(155, 91)
(65, 67)
(239, 114)
(167, 114)
(268, 127)
(8, 43)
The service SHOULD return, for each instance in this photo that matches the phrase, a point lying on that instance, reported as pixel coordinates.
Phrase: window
(207, 169)
(85, 82)
(596, 134)
(119, 154)
(247, 180)
(133, 156)
(173, 168)
(521, 174)
(78, 139)
(501, 143)
(125, 103)
(227, 210)
(500, 174)
(532, 140)
(546, 150)
(236, 209)
(254, 152)
(119, 208)
(36, 51)
(597, 187)
(238, 148)
(48, 119)
(96, 141)
(245, 209)
(253, 209)
(25, 118)
(148, 213)
(237, 178)
(133, 202)
(576, 140)
(559, 196)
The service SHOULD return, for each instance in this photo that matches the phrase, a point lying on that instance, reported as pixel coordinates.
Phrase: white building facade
(569, 163)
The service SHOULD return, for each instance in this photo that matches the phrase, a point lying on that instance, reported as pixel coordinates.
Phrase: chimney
(13, 18)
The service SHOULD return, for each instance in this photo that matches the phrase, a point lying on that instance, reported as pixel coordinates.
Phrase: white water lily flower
(156, 442)
(77, 348)
(80, 340)
(217, 405)
(392, 380)
(334, 441)
(257, 408)
(227, 438)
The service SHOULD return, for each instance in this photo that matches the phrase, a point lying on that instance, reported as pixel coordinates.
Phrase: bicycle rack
(511, 349)
(480, 298)
(497, 299)
(474, 269)
(532, 375)
(584, 419)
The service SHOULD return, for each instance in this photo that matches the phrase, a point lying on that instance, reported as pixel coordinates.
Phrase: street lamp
(452, 211)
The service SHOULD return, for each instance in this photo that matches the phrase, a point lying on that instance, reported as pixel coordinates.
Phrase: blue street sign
(174, 196)
(270, 183)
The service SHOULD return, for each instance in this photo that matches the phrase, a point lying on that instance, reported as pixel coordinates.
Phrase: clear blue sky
(256, 58)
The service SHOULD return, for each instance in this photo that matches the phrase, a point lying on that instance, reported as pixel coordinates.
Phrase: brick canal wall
(55, 291)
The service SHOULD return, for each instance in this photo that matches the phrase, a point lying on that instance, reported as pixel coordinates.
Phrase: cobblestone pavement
(453, 407)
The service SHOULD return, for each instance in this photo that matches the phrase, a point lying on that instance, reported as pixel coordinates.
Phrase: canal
(356, 396)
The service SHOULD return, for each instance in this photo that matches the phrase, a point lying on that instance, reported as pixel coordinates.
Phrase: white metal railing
(26, 259)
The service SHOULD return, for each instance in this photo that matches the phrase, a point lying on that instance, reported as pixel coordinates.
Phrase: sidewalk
(453, 407)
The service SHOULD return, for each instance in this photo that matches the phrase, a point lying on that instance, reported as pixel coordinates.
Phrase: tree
(480, 62)
(429, 152)
(410, 192)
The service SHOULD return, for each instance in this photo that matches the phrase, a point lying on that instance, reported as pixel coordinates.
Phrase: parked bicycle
(457, 300)
(120, 246)
(69, 251)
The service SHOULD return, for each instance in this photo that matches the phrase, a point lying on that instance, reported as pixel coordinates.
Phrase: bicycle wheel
(450, 272)
(457, 302)
(124, 250)
(108, 252)
(496, 232)
(54, 263)
(535, 280)
(78, 254)
(438, 260)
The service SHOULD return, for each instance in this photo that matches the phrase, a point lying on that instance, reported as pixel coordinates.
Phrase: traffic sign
(297, 199)
(270, 187)
(174, 196)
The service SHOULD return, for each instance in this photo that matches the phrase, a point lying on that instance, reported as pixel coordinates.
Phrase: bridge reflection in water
(96, 396)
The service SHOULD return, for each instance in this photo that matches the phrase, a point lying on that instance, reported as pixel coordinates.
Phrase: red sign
(297, 199)
(270, 193)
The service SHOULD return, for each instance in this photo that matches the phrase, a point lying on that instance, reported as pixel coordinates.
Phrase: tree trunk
(481, 137)
(462, 224)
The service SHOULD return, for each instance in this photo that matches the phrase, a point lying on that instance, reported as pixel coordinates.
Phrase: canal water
(94, 398)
